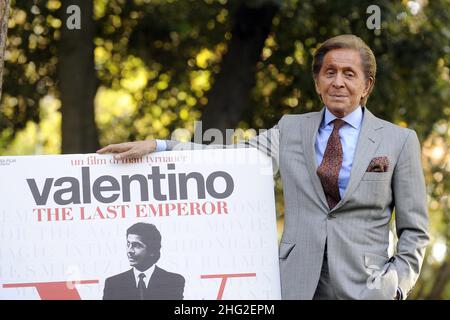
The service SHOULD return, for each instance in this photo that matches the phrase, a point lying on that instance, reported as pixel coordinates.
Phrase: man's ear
(369, 84)
(316, 86)
(317, 89)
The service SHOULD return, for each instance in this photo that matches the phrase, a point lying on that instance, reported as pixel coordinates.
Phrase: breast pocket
(376, 176)
(374, 190)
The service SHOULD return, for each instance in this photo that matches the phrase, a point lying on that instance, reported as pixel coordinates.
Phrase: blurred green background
(140, 69)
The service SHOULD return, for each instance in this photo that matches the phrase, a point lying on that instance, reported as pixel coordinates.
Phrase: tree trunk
(229, 98)
(77, 81)
(4, 14)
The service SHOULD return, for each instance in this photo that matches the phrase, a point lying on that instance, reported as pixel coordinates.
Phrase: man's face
(341, 82)
(138, 252)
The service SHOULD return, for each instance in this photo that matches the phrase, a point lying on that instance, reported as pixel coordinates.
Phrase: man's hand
(129, 150)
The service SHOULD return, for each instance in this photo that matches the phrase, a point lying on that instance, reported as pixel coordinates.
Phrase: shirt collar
(148, 274)
(354, 119)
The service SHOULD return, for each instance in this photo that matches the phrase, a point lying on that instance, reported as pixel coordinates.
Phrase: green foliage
(163, 57)
(30, 64)
(175, 55)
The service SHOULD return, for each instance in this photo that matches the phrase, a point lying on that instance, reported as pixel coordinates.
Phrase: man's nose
(338, 81)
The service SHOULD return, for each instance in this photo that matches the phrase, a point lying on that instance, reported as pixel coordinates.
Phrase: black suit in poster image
(145, 280)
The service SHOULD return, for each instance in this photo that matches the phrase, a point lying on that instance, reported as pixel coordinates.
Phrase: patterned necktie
(141, 286)
(328, 171)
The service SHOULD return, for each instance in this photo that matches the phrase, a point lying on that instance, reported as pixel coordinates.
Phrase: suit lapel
(309, 131)
(154, 278)
(153, 287)
(131, 280)
(368, 142)
(131, 286)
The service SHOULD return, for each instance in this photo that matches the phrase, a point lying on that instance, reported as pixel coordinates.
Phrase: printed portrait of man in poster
(145, 280)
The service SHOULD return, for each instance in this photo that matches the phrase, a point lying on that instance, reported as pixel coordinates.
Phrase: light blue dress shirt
(161, 145)
(348, 134)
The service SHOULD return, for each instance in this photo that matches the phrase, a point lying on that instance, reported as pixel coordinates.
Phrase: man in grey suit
(344, 172)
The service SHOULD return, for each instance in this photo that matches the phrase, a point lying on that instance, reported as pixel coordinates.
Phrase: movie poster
(78, 226)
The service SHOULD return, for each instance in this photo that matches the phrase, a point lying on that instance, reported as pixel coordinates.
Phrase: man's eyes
(134, 245)
(348, 74)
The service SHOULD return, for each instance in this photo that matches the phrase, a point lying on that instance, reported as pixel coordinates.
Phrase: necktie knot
(141, 276)
(338, 123)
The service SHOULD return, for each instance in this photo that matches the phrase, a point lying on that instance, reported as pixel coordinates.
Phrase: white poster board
(64, 221)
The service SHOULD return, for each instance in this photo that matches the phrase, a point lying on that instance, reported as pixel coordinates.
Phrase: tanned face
(341, 82)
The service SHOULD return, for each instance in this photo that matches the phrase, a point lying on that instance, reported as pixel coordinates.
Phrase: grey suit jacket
(357, 229)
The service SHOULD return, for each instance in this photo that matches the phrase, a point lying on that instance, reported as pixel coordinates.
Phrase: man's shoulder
(169, 275)
(120, 276)
(289, 119)
(393, 129)
(297, 116)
